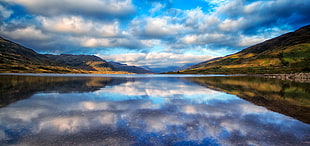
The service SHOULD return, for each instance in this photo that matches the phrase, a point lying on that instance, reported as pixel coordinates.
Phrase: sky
(153, 33)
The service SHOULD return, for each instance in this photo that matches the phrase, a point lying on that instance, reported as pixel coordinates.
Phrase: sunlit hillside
(284, 54)
(15, 58)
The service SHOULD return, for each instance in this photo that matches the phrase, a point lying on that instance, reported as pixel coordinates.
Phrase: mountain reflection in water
(152, 111)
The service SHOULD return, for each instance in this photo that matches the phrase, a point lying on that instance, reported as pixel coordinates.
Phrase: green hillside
(15, 58)
(83, 62)
(287, 53)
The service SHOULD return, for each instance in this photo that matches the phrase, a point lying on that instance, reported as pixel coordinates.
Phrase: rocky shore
(299, 77)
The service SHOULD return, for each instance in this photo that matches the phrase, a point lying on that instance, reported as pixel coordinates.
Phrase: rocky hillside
(16, 58)
(287, 53)
(83, 62)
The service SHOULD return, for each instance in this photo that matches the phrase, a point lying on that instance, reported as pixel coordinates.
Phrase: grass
(292, 59)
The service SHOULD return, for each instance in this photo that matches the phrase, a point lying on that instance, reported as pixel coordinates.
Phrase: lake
(53, 109)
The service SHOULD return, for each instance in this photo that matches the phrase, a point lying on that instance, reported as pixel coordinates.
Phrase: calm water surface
(152, 110)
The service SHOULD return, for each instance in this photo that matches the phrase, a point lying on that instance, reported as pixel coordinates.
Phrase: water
(152, 110)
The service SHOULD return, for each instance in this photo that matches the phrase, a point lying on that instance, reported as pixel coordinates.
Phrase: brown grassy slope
(284, 54)
(18, 59)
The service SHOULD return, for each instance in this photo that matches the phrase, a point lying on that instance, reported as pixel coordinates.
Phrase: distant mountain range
(133, 69)
(186, 66)
(287, 53)
(17, 58)
(165, 69)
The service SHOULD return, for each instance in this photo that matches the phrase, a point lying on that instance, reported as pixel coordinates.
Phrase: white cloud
(194, 17)
(95, 42)
(79, 25)
(109, 30)
(27, 33)
(5, 12)
(251, 8)
(156, 27)
(232, 25)
(234, 7)
(204, 38)
(129, 58)
(109, 42)
(189, 39)
(156, 59)
(67, 24)
(218, 2)
(151, 42)
(200, 22)
(156, 7)
(161, 27)
(56, 7)
(250, 40)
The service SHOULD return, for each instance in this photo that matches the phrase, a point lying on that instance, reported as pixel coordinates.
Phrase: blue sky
(154, 33)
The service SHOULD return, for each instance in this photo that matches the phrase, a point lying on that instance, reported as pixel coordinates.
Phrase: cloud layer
(157, 59)
(117, 27)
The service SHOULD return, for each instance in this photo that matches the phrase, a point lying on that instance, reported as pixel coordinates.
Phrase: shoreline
(299, 77)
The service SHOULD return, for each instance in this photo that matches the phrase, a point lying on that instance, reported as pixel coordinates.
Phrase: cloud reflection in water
(157, 111)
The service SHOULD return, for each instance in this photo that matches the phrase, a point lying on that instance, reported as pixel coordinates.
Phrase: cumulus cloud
(93, 42)
(231, 25)
(95, 8)
(156, 7)
(80, 26)
(110, 42)
(5, 13)
(201, 22)
(156, 27)
(27, 33)
(263, 13)
(250, 40)
(157, 59)
(217, 2)
(204, 38)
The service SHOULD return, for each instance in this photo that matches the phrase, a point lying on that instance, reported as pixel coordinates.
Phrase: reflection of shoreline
(285, 97)
(14, 88)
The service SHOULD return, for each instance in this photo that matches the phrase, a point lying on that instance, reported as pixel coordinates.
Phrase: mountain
(186, 66)
(164, 69)
(132, 69)
(17, 58)
(203, 63)
(83, 62)
(287, 53)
